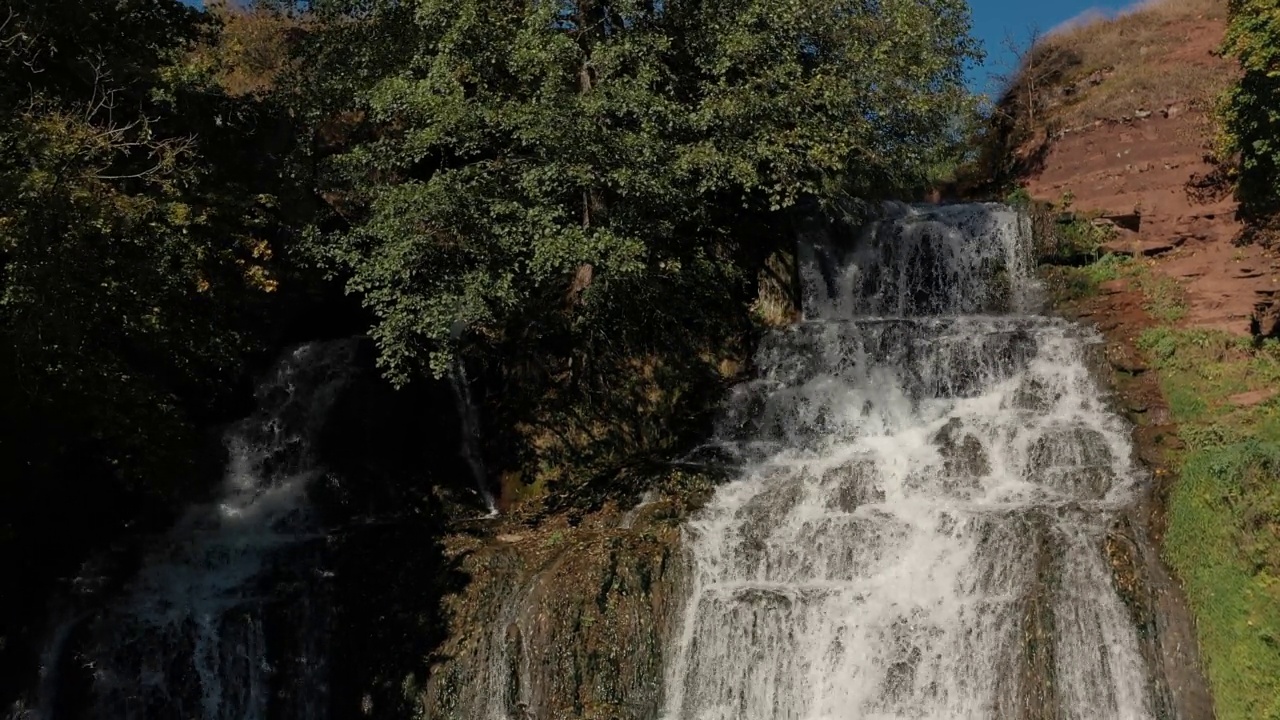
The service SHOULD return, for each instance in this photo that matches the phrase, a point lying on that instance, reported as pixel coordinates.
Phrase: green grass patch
(1225, 551)
(1106, 268)
(1063, 237)
(1073, 283)
(1223, 535)
(1166, 299)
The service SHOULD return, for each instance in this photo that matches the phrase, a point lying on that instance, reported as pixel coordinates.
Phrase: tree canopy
(129, 260)
(138, 224)
(508, 159)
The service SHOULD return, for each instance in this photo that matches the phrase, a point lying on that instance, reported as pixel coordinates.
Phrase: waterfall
(470, 440)
(928, 474)
(227, 617)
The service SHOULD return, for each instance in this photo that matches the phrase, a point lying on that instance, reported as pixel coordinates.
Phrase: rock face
(1137, 155)
(562, 623)
(1188, 222)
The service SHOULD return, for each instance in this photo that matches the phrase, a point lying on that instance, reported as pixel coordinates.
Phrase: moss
(1223, 535)
(591, 607)
(1071, 283)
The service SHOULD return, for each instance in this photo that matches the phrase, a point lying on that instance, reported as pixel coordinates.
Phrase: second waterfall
(929, 473)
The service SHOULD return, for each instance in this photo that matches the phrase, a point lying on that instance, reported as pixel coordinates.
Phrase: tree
(125, 274)
(1249, 112)
(524, 164)
(136, 260)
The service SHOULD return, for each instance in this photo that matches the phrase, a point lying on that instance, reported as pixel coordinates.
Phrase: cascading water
(929, 473)
(470, 440)
(227, 618)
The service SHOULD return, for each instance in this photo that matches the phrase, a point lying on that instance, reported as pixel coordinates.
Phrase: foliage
(250, 50)
(1063, 236)
(1249, 111)
(521, 166)
(138, 229)
(127, 264)
(1073, 283)
(586, 196)
(583, 202)
(1019, 198)
(1165, 298)
(1223, 533)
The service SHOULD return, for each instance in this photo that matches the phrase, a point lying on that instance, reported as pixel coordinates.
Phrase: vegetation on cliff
(1223, 534)
(1215, 451)
(1250, 109)
(1215, 446)
(1098, 70)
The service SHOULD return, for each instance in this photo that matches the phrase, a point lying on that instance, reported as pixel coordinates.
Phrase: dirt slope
(1152, 167)
(1151, 161)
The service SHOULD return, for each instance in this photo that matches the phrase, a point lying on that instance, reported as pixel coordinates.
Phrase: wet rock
(1121, 553)
(515, 653)
(963, 454)
(1131, 562)
(1037, 694)
(772, 504)
(1071, 446)
(852, 485)
(1074, 460)
(764, 598)
(572, 623)
(1033, 394)
(900, 678)
(1085, 482)
(764, 512)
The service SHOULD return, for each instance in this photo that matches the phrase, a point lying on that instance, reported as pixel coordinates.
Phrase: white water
(928, 475)
(470, 440)
(193, 635)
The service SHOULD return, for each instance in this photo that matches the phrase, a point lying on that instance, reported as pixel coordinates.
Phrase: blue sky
(994, 20)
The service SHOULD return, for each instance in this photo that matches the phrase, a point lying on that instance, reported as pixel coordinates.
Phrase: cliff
(1120, 127)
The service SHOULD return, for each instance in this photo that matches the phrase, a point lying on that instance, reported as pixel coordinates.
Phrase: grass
(1109, 67)
(1073, 283)
(1165, 299)
(1063, 236)
(1223, 530)
(1223, 535)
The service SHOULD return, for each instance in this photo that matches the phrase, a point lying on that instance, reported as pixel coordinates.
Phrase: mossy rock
(576, 628)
